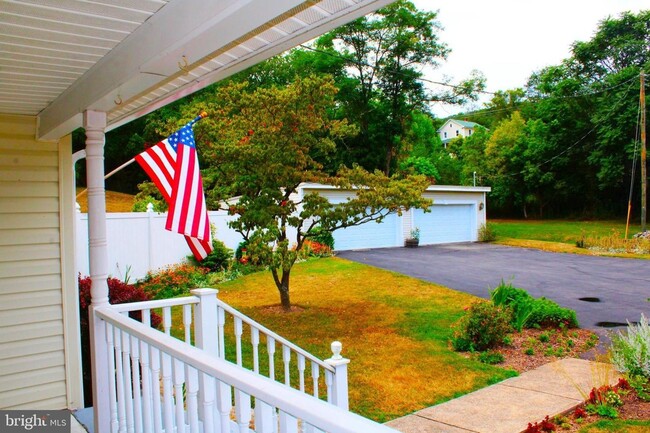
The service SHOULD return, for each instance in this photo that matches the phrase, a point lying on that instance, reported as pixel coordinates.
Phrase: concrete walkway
(508, 406)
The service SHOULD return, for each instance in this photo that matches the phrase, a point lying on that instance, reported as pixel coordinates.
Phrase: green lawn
(563, 231)
(617, 426)
(395, 330)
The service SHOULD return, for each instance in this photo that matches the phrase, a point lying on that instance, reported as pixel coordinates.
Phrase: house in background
(99, 65)
(453, 128)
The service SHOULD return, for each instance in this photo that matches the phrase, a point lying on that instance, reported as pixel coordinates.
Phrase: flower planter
(411, 243)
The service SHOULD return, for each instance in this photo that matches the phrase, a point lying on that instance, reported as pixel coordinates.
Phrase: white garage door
(446, 223)
(370, 235)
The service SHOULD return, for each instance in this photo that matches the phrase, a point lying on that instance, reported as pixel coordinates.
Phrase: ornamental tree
(260, 145)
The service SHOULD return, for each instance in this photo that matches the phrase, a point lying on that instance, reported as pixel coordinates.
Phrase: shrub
(548, 313)
(483, 327)
(173, 281)
(315, 249)
(219, 258)
(529, 312)
(486, 233)
(323, 237)
(118, 293)
(631, 350)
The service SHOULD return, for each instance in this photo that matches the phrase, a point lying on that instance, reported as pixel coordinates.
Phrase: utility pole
(644, 176)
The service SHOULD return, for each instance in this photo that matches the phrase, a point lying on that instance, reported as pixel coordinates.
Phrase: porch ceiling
(130, 57)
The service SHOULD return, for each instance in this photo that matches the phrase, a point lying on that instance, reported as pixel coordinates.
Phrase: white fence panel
(138, 242)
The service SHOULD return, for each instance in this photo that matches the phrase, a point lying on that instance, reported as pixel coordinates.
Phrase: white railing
(235, 337)
(161, 384)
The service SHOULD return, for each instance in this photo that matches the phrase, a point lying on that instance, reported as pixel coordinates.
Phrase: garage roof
(130, 57)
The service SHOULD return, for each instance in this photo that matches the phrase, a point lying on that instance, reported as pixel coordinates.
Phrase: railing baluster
(221, 323)
(179, 381)
(128, 385)
(270, 348)
(168, 407)
(315, 373)
(238, 333)
(167, 319)
(111, 381)
(155, 386)
(288, 424)
(242, 410)
(187, 322)
(192, 399)
(255, 341)
(328, 383)
(147, 416)
(135, 375)
(119, 380)
(224, 405)
(207, 386)
(286, 359)
(301, 371)
(146, 317)
(264, 417)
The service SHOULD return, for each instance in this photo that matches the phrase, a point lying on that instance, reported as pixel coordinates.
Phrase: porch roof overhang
(128, 58)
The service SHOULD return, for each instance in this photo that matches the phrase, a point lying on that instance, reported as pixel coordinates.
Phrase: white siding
(32, 349)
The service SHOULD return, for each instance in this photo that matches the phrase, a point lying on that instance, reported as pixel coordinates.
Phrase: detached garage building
(455, 216)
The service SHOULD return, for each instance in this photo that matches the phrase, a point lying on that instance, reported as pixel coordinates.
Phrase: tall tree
(386, 52)
(261, 145)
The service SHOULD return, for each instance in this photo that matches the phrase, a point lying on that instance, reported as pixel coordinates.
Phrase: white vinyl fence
(138, 242)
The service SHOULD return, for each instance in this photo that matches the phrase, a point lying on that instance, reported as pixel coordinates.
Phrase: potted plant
(414, 240)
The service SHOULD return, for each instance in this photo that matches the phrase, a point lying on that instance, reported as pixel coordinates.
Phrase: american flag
(173, 166)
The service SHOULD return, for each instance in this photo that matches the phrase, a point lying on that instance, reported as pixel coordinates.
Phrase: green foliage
(603, 410)
(420, 165)
(219, 258)
(323, 237)
(546, 312)
(483, 327)
(486, 233)
(631, 349)
(148, 193)
(532, 312)
(641, 386)
(491, 357)
(386, 52)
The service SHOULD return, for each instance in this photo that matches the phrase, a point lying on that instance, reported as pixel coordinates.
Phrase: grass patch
(115, 201)
(617, 426)
(395, 329)
(560, 236)
(563, 231)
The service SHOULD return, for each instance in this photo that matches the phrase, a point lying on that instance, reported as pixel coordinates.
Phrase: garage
(446, 223)
(456, 215)
(388, 233)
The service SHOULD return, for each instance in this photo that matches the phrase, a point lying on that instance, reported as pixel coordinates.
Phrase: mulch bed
(535, 347)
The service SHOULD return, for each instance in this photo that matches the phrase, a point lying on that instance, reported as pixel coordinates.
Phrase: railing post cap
(204, 292)
(336, 358)
(149, 207)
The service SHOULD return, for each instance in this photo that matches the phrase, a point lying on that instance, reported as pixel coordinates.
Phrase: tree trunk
(283, 287)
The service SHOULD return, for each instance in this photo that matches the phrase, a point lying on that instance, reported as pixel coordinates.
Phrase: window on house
(470, 132)
(445, 135)
(457, 133)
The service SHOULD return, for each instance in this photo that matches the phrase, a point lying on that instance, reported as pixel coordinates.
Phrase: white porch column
(340, 385)
(95, 125)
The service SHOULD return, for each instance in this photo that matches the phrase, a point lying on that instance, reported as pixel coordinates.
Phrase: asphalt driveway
(621, 287)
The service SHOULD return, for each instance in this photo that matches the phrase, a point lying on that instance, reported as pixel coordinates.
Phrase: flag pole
(132, 160)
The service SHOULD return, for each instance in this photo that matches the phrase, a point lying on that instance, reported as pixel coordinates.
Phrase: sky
(507, 40)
